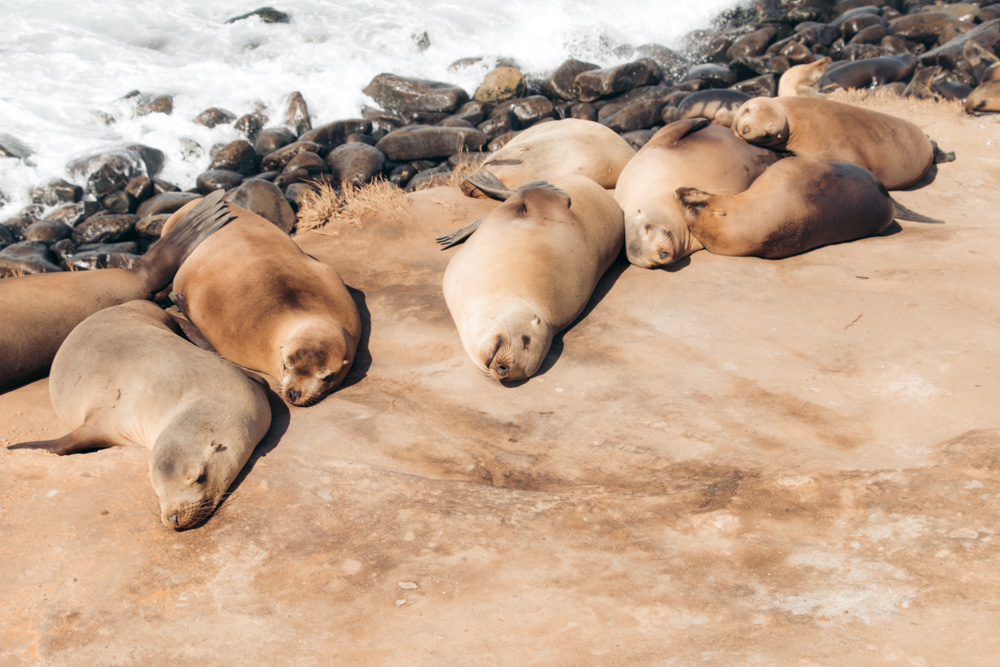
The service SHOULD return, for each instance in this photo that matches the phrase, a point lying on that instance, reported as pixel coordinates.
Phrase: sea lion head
(514, 347)
(762, 122)
(314, 360)
(654, 236)
(190, 478)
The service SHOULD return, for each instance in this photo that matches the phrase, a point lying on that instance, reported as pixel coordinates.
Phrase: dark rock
(988, 13)
(472, 112)
(672, 65)
(402, 174)
(6, 236)
(410, 96)
(160, 104)
(385, 121)
(107, 172)
(451, 121)
(296, 114)
(638, 138)
(753, 44)
(238, 156)
(711, 75)
(167, 202)
(120, 201)
(498, 123)
(265, 176)
(266, 200)
(160, 186)
(637, 116)
(271, 139)
(416, 142)
(583, 110)
(13, 147)
(710, 104)
(19, 224)
(291, 176)
(250, 124)
(279, 158)
(873, 34)
(140, 187)
(765, 85)
(26, 258)
(851, 27)
(151, 226)
(48, 231)
(111, 256)
(355, 164)
(500, 85)
(309, 161)
(265, 14)
(796, 52)
(528, 110)
(926, 27)
(214, 116)
(861, 52)
(812, 34)
(62, 250)
(357, 137)
(104, 228)
(562, 83)
(332, 135)
(595, 84)
(499, 142)
(71, 214)
(430, 178)
(299, 193)
(213, 179)
(950, 54)
(56, 192)
(643, 94)
(152, 158)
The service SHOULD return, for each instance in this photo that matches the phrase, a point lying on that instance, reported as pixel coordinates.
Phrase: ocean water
(67, 64)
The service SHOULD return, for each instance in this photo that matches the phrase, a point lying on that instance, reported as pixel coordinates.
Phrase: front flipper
(85, 438)
(187, 327)
(489, 184)
(457, 236)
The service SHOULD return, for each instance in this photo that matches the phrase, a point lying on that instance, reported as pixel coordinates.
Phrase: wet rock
(11, 146)
(638, 138)
(152, 158)
(237, 156)
(471, 112)
(27, 257)
(271, 139)
(796, 52)
(62, 249)
(151, 226)
(859, 52)
(410, 96)
(672, 65)
(159, 104)
(309, 161)
(499, 122)
(140, 187)
(333, 134)
(213, 179)
(296, 114)
(6, 236)
(266, 200)
(430, 178)
(416, 142)
(595, 84)
(281, 157)
(711, 104)
(107, 172)
(927, 27)
(214, 116)
(711, 75)
(103, 256)
(48, 231)
(104, 228)
(56, 192)
(357, 137)
(290, 177)
(71, 214)
(527, 110)
(753, 44)
(497, 143)
(950, 54)
(637, 116)
(119, 201)
(265, 14)
(765, 85)
(500, 85)
(355, 163)
(19, 224)
(250, 124)
(386, 121)
(298, 194)
(583, 111)
(402, 174)
(166, 202)
(562, 83)
(871, 35)
(854, 25)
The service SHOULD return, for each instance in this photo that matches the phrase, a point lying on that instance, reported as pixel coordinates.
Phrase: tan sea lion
(529, 270)
(39, 311)
(548, 150)
(266, 305)
(684, 153)
(797, 204)
(125, 377)
(895, 150)
(984, 98)
(802, 79)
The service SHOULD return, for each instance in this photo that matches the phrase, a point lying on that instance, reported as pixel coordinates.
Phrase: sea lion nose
(293, 395)
(172, 519)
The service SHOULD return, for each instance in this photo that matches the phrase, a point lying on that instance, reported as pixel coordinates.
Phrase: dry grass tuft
(887, 101)
(350, 206)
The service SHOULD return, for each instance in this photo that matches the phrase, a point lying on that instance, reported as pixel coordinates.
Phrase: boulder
(355, 163)
(410, 96)
(417, 142)
(266, 200)
(595, 84)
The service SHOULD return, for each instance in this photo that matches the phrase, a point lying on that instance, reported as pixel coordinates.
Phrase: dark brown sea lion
(869, 72)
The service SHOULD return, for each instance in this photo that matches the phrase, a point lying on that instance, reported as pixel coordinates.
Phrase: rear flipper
(457, 236)
(187, 327)
(489, 184)
(85, 438)
(903, 213)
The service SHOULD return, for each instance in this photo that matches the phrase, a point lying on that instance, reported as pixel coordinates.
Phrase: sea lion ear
(213, 448)
(196, 473)
(692, 200)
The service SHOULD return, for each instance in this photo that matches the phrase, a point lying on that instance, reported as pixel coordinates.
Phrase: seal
(529, 270)
(548, 150)
(796, 205)
(719, 105)
(40, 310)
(802, 79)
(683, 153)
(869, 72)
(124, 377)
(264, 304)
(895, 150)
(984, 98)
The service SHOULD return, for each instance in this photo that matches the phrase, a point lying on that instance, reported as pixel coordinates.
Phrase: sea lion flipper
(682, 128)
(457, 236)
(529, 190)
(903, 213)
(187, 327)
(85, 438)
(489, 184)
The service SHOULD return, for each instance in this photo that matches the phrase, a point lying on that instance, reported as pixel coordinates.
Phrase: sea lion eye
(329, 378)
(201, 478)
(746, 129)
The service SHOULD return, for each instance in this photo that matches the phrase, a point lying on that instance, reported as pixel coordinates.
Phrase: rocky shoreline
(114, 206)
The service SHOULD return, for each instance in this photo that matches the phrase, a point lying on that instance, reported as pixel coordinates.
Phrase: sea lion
(558, 148)
(869, 72)
(802, 79)
(39, 311)
(718, 105)
(684, 153)
(895, 150)
(797, 204)
(264, 304)
(125, 377)
(529, 270)
(984, 98)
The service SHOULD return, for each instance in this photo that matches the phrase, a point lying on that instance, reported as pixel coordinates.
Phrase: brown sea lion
(895, 150)
(549, 150)
(984, 98)
(684, 153)
(39, 311)
(529, 270)
(125, 377)
(802, 79)
(797, 204)
(266, 305)
(869, 72)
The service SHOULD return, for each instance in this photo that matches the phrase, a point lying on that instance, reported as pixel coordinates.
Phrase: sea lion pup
(37, 312)
(264, 304)
(803, 80)
(557, 148)
(125, 377)
(684, 153)
(895, 150)
(529, 271)
(797, 204)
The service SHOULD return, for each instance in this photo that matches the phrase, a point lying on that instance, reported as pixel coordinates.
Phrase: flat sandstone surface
(735, 461)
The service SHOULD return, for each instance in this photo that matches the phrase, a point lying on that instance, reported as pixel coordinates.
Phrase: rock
(6, 236)
(250, 124)
(309, 161)
(765, 85)
(160, 104)
(191, 150)
(672, 65)
(711, 75)
(402, 174)
(416, 142)
(71, 214)
(119, 201)
(637, 116)
(266, 200)
(279, 158)
(638, 138)
(238, 156)
(333, 134)
(214, 116)
(107, 172)
(298, 194)
(166, 202)
(103, 256)
(140, 187)
(151, 226)
(104, 228)
(296, 115)
(355, 163)
(19, 224)
(925, 27)
(411, 96)
(583, 110)
(753, 44)
(528, 110)
(951, 53)
(213, 179)
(265, 14)
(48, 231)
(56, 192)
(499, 122)
(11, 146)
(152, 158)
(62, 250)
(500, 85)
(385, 121)
(472, 112)
(25, 258)
(430, 178)
(271, 139)
(562, 83)
(595, 84)
(642, 94)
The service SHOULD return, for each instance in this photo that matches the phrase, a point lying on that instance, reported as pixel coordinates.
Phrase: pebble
(408, 585)
(964, 534)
